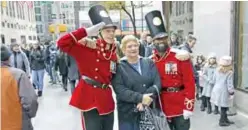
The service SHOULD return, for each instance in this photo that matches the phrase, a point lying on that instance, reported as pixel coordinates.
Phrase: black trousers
(64, 80)
(91, 120)
(179, 123)
(223, 114)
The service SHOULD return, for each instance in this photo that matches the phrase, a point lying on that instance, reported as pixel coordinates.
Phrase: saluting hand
(93, 30)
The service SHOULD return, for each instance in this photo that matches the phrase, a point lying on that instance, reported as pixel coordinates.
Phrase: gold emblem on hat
(103, 13)
(157, 21)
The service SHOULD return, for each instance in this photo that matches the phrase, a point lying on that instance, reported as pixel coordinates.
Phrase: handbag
(153, 118)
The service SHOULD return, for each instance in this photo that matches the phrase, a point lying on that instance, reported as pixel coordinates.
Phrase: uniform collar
(102, 44)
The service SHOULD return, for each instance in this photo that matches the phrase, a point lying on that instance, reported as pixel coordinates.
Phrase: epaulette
(181, 55)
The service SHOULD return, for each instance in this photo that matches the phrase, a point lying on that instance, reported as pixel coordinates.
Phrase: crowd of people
(155, 71)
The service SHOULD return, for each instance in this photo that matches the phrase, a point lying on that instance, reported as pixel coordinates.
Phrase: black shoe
(39, 93)
(224, 124)
(209, 111)
(65, 87)
(229, 122)
(216, 111)
(202, 107)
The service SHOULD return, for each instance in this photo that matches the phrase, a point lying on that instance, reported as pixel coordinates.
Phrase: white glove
(93, 30)
(187, 114)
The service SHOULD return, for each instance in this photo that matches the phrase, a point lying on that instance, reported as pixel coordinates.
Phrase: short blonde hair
(127, 39)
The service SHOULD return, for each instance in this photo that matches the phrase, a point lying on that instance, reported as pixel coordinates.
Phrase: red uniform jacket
(94, 63)
(175, 73)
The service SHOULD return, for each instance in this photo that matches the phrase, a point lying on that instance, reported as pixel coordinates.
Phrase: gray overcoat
(223, 86)
(208, 73)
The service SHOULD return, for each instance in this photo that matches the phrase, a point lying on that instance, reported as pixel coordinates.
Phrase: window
(34, 37)
(23, 39)
(3, 24)
(13, 7)
(12, 40)
(37, 29)
(191, 20)
(41, 28)
(243, 46)
(30, 37)
(38, 17)
(2, 39)
(191, 4)
(37, 3)
(7, 9)
(1, 10)
(37, 10)
(8, 25)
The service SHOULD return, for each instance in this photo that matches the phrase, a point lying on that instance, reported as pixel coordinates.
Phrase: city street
(55, 114)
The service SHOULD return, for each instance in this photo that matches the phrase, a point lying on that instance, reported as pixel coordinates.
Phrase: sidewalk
(204, 121)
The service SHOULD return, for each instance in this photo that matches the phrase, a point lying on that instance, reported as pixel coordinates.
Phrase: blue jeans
(37, 78)
(128, 125)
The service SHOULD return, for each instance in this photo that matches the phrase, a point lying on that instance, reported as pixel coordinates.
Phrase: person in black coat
(60, 64)
(135, 83)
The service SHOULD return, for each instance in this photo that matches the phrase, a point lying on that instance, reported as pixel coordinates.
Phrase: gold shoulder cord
(164, 56)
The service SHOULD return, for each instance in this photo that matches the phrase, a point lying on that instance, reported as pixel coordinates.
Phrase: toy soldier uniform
(96, 63)
(176, 74)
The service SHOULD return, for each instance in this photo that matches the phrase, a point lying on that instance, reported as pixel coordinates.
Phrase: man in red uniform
(96, 63)
(178, 85)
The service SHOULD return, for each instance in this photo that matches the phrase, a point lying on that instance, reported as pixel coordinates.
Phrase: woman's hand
(140, 107)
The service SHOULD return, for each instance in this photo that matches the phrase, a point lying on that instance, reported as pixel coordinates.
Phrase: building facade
(18, 23)
(223, 29)
(43, 17)
(179, 17)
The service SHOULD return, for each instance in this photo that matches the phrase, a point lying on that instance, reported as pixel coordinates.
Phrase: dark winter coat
(129, 86)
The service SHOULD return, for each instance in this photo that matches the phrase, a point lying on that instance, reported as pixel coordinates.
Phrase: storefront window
(243, 46)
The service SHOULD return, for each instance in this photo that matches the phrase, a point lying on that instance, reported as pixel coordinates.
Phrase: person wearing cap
(96, 62)
(18, 99)
(18, 59)
(176, 74)
(208, 72)
(223, 90)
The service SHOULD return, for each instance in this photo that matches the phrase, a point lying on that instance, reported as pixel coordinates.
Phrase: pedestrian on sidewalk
(73, 73)
(208, 73)
(135, 84)
(18, 59)
(96, 62)
(200, 62)
(37, 62)
(18, 99)
(223, 91)
(176, 75)
(60, 64)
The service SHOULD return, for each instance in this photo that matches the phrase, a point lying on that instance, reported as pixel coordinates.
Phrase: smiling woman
(130, 47)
